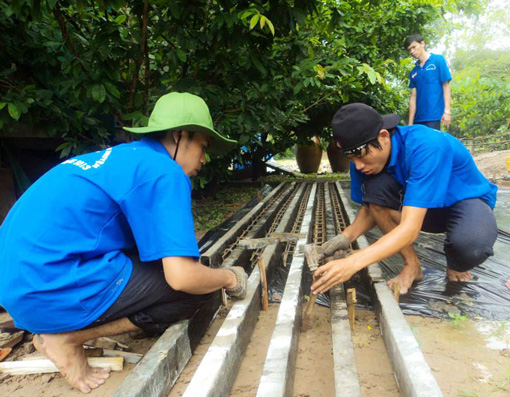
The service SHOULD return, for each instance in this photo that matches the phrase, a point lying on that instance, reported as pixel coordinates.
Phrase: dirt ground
(468, 358)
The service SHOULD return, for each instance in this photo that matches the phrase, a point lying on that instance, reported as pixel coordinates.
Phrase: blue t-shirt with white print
(435, 169)
(63, 245)
(428, 81)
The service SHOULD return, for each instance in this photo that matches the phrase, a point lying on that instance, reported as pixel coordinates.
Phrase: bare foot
(457, 276)
(69, 358)
(407, 276)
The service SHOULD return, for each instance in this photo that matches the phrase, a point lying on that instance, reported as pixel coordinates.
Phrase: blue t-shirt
(428, 81)
(434, 168)
(63, 245)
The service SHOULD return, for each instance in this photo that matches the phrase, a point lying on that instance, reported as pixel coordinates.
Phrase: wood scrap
(93, 351)
(133, 358)
(41, 366)
(9, 327)
(4, 352)
(351, 306)
(313, 256)
(10, 340)
(107, 343)
(263, 282)
(396, 290)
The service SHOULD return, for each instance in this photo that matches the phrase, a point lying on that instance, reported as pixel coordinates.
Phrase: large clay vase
(338, 161)
(308, 156)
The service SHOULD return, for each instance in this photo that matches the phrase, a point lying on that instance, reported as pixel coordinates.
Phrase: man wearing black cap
(409, 179)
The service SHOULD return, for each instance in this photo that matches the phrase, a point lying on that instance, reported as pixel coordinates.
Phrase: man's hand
(339, 242)
(239, 290)
(446, 119)
(333, 273)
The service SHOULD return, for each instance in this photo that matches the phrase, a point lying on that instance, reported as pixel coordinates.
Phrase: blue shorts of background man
(429, 81)
(104, 243)
(410, 179)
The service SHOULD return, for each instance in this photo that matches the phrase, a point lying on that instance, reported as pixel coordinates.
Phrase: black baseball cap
(356, 124)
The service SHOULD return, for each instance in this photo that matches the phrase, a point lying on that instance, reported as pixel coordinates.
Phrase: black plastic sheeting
(486, 296)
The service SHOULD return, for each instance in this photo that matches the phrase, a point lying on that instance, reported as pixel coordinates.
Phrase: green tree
(272, 71)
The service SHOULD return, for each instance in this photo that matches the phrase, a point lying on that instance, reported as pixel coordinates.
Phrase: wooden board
(43, 366)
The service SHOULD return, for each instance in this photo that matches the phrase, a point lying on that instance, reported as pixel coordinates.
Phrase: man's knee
(383, 190)
(156, 319)
(464, 253)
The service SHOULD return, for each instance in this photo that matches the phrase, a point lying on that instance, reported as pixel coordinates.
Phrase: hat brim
(219, 144)
(390, 121)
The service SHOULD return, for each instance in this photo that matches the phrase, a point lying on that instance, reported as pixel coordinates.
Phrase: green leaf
(2, 105)
(120, 19)
(181, 55)
(270, 24)
(99, 93)
(112, 90)
(262, 21)
(254, 20)
(244, 139)
(13, 111)
(371, 76)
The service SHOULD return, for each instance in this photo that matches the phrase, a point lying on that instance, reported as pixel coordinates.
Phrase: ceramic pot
(338, 161)
(308, 156)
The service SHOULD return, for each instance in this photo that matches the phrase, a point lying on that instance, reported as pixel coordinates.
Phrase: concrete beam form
(158, 370)
(413, 374)
(278, 374)
(344, 363)
(212, 256)
(218, 368)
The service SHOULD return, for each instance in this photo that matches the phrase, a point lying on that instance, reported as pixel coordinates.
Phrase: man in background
(430, 84)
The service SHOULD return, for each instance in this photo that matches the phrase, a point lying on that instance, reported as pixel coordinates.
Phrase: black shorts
(149, 302)
(432, 124)
(469, 225)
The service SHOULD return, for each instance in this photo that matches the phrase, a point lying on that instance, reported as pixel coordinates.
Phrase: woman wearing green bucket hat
(104, 243)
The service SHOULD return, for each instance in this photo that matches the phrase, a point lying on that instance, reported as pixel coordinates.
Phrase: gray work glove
(239, 291)
(334, 244)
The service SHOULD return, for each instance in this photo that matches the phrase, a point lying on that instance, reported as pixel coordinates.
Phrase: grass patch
(209, 213)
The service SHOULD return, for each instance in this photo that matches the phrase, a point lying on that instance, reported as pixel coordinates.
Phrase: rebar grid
(338, 215)
(319, 226)
(256, 254)
(290, 247)
(233, 246)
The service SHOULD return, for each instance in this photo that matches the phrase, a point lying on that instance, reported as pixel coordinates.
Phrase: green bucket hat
(183, 111)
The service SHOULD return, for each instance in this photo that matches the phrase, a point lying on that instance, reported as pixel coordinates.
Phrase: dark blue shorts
(149, 302)
(469, 225)
(432, 124)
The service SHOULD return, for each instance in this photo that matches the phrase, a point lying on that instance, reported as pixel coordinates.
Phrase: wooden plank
(10, 340)
(212, 256)
(413, 374)
(129, 357)
(218, 368)
(279, 368)
(43, 366)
